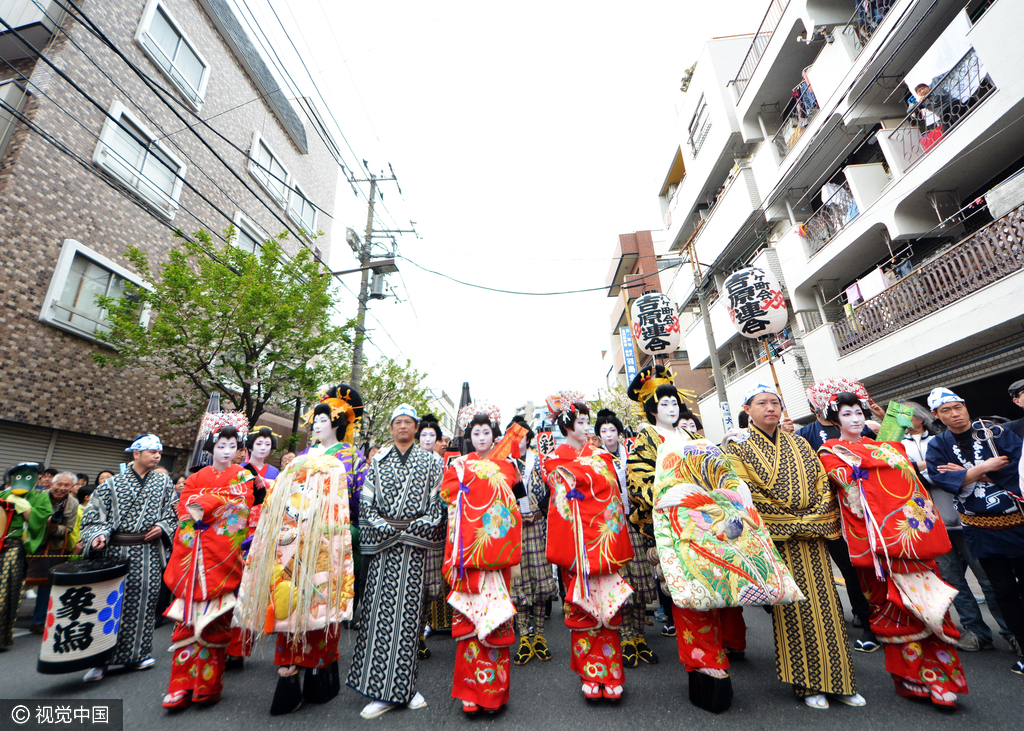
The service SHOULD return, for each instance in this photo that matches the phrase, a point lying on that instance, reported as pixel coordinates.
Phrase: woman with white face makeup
(638, 571)
(587, 538)
(895, 534)
(484, 542)
(428, 433)
(705, 654)
(205, 570)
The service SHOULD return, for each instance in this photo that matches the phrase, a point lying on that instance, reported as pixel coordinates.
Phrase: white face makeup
(523, 444)
(851, 422)
(668, 412)
(581, 428)
(428, 438)
(688, 424)
(482, 438)
(610, 437)
(322, 428)
(261, 449)
(223, 452)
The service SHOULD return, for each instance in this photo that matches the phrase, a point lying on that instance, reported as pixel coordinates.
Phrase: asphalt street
(544, 694)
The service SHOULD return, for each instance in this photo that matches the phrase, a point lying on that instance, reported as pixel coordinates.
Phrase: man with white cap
(400, 521)
(798, 507)
(125, 519)
(979, 463)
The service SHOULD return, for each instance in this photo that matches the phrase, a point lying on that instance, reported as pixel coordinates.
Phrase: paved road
(547, 695)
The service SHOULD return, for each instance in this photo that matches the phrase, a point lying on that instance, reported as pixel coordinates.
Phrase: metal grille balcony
(793, 126)
(831, 218)
(869, 15)
(942, 108)
(989, 255)
(761, 39)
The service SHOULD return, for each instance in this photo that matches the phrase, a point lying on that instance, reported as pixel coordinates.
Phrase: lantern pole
(775, 376)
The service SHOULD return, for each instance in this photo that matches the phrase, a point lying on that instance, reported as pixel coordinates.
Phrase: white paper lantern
(755, 301)
(655, 324)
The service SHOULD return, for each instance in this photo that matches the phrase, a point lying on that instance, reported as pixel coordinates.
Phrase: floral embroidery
(497, 521)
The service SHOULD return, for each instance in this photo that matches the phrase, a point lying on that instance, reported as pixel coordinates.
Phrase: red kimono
(484, 541)
(203, 573)
(895, 533)
(587, 538)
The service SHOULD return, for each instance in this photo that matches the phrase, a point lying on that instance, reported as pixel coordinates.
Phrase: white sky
(525, 137)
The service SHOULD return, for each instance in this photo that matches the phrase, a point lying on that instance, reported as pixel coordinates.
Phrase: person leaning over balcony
(987, 493)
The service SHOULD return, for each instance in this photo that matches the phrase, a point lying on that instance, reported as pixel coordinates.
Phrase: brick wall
(45, 198)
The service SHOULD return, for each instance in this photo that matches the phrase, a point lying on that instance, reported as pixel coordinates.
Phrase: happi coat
(132, 504)
(400, 514)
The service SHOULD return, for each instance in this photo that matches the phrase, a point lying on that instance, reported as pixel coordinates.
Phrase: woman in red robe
(895, 535)
(484, 542)
(587, 538)
(204, 571)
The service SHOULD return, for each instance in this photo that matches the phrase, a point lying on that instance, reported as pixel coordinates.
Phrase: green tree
(386, 384)
(254, 327)
(629, 412)
(684, 83)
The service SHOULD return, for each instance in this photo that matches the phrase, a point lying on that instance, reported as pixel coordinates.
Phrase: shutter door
(88, 454)
(22, 443)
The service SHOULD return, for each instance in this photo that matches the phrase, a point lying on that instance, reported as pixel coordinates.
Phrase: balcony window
(131, 154)
(266, 167)
(166, 45)
(79, 276)
(802, 109)
(700, 126)
(302, 211)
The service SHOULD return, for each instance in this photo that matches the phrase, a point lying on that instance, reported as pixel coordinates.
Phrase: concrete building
(118, 154)
(891, 219)
(634, 270)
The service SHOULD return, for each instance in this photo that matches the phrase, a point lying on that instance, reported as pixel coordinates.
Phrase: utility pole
(716, 365)
(364, 286)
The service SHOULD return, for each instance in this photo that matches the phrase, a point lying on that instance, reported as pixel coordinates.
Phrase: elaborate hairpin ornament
(467, 412)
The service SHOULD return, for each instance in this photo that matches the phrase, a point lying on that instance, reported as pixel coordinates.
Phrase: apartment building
(118, 124)
(635, 269)
(874, 170)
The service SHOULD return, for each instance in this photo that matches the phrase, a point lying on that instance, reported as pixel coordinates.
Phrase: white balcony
(37, 21)
(738, 207)
(794, 378)
(695, 340)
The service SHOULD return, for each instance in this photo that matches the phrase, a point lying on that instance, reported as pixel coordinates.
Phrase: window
(166, 45)
(12, 102)
(268, 170)
(248, 236)
(80, 275)
(302, 211)
(700, 126)
(128, 152)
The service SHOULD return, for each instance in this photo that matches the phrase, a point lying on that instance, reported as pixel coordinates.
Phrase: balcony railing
(869, 15)
(837, 211)
(793, 126)
(989, 255)
(942, 108)
(761, 39)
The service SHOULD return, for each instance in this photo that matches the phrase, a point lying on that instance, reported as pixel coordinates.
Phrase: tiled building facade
(66, 220)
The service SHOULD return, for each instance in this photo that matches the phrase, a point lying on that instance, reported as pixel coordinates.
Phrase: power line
(536, 294)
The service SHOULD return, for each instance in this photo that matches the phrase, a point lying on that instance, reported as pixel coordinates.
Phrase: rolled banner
(84, 616)
(756, 304)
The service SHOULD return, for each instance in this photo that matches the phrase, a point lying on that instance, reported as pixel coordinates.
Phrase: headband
(404, 410)
(759, 389)
(145, 443)
(940, 396)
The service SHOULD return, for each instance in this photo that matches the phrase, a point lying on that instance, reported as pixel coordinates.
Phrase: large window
(131, 154)
(166, 45)
(266, 167)
(302, 211)
(80, 275)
